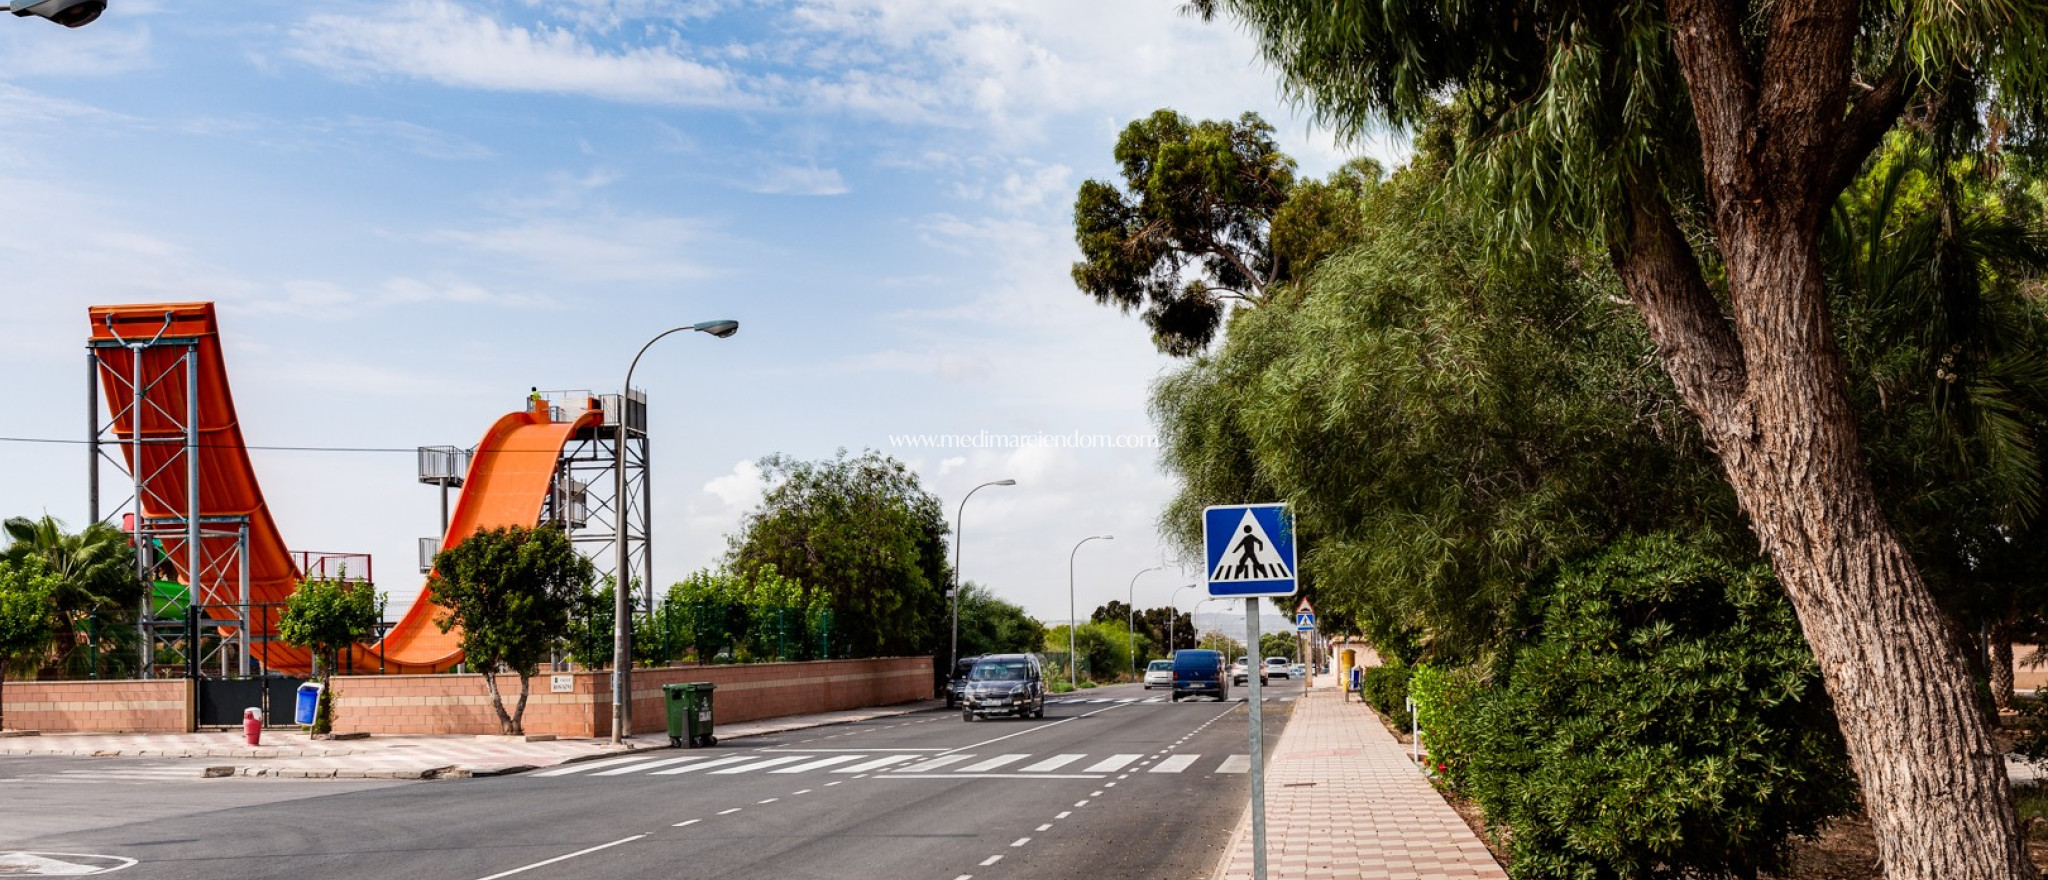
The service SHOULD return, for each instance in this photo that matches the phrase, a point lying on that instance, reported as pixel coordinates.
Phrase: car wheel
(967, 715)
(1176, 696)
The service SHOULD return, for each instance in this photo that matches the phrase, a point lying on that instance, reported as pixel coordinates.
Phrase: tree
(861, 535)
(1705, 143)
(328, 617)
(94, 568)
(27, 589)
(1215, 640)
(989, 625)
(1104, 649)
(509, 591)
(1279, 644)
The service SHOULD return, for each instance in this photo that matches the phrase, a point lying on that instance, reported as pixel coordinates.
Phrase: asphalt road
(1107, 785)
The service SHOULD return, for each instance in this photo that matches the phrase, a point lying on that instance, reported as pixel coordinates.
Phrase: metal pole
(1131, 614)
(1251, 632)
(144, 620)
(960, 537)
(194, 545)
(1173, 615)
(243, 547)
(646, 527)
(92, 436)
(1073, 650)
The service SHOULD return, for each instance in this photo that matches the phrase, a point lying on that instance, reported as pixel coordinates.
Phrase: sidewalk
(287, 752)
(1344, 801)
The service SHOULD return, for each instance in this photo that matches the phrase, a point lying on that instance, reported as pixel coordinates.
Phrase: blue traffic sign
(1250, 550)
(1304, 623)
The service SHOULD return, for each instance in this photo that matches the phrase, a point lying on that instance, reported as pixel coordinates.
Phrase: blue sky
(409, 212)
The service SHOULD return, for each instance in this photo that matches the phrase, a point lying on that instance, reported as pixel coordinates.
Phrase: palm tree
(95, 572)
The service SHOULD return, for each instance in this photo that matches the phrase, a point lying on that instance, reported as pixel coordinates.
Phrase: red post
(252, 726)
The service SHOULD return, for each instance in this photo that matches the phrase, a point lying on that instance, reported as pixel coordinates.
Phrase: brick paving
(1343, 800)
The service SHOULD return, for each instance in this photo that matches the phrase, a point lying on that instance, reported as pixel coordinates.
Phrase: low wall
(164, 705)
(459, 704)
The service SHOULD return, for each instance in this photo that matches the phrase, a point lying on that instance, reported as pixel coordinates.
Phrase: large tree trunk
(518, 723)
(2001, 662)
(506, 725)
(1766, 382)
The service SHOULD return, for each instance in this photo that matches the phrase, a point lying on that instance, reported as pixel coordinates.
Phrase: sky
(410, 211)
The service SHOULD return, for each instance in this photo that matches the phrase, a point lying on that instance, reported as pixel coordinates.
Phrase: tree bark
(505, 724)
(1766, 383)
(518, 725)
(2001, 662)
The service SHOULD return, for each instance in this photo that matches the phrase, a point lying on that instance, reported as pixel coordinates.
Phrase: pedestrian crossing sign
(1250, 550)
(1304, 623)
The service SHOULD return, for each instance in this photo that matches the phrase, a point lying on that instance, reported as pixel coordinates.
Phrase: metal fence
(722, 632)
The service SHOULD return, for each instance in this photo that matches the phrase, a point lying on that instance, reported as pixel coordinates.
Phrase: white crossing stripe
(991, 764)
(876, 764)
(1111, 764)
(821, 762)
(757, 765)
(936, 763)
(1176, 763)
(591, 765)
(1156, 700)
(1103, 700)
(1235, 764)
(1050, 764)
(1131, 700)
(647, 765)
(706, 765)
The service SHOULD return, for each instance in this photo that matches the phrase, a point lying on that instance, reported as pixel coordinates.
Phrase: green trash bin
(689, 713)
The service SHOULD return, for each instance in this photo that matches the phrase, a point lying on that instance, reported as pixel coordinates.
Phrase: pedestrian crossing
(915, 764)
(116, 773)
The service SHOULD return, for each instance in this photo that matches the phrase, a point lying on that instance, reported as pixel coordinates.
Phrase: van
(1004, 684)
(1198, 671)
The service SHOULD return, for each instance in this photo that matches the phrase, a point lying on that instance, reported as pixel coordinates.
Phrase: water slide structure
(173, 421)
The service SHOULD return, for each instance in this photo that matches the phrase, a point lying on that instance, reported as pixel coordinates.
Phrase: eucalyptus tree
(1704, 143)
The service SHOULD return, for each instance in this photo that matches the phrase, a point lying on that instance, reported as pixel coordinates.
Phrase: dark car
(1004, 684)
(1197, 671)
(956, 684)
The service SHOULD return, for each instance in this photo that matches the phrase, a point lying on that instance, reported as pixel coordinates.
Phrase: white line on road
(1111, 764)
(1063, 815)
(991, 860)
(1053, 763)
(546, 862)
(870, 765)
(1235, 764)
(936, 763)
(1033, 729)
(1176, 763)
(1046, 827)
(591, 765)
(768, 801)
(692, 768)
(729, 812)
(757, 765)
(646, 765)
(686, 823)
(1020, 841)
(991, 764)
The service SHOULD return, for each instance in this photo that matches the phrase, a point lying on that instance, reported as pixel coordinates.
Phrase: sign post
(1250, 553)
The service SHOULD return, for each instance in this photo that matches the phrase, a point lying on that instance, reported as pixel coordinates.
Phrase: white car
(1159, 673)
(1278, 667)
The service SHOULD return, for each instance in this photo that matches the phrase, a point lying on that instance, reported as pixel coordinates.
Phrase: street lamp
(1073, 652)
(958, 537)
(622, 633)
(1131, 613)
(1173, 612)
(69, 13)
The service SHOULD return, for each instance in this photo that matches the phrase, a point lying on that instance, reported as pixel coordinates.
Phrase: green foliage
(330, 616)
(1445, 425)
(1104, 648)
(1386, 691)
(720, 616)
(1279, 644)
(509, 590)
(27, 594)
(1664, 719)
(862, 537)
(1217, 641)
(989, 625)
(95, 571)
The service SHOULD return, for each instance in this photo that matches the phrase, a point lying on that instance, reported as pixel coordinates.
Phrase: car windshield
(1158, 665)
(997, 672)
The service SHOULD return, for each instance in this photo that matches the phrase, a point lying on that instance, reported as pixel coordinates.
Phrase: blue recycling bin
(308, 703)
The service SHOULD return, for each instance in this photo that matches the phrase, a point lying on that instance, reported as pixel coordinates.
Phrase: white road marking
(686, 823)
(1063, 815)
(935, 763)
(991, 764)
(1080, 803)
(813, 765)
(768, 801)
(692, 768)
(564, 858)
(1020, 841)
(1046, 827)
(591, 765)
(1111, 764)
(646, 765)
(1176, 764)
(730, 812)
(878, 762)
(758, 765)
(991, 860)
(1053, 763)
(1235, 764)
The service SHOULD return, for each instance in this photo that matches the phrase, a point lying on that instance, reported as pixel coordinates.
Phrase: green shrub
(1442, 698)
(1386, 690)
(1666, 720)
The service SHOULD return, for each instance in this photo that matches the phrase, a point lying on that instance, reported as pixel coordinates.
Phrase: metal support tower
(585, 497)
(161, 422)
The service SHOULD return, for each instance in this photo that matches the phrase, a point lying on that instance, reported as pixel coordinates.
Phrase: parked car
(1240, 673)
(1004, 684)
(1300, 670)
(1278, 666)
(1199, 671)
(956, 684)
(1159, 673)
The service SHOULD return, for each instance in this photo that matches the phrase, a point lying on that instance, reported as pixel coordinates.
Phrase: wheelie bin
(689, 713)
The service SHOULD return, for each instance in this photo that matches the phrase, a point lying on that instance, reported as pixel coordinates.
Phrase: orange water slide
(508, 481)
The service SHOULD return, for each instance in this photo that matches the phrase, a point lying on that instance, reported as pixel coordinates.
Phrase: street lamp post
(1131, 613)
(69, 13)
(960, 536)
(1173, 611)
(1073, 652)
(622, 632)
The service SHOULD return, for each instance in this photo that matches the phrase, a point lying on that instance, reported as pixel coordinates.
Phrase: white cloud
(738, 489)
(793, 180)
(112, 47)
(602, 245)
(448, 43)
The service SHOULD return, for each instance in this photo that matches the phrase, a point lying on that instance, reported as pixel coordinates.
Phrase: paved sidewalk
(290, 753)
(1344, 801)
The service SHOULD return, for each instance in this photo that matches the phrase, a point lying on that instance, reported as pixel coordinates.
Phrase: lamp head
(1004, 483)
(69, 13)
(720, 329)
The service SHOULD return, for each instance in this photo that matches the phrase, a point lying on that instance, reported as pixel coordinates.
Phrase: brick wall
(166, 705)
(459, 704)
